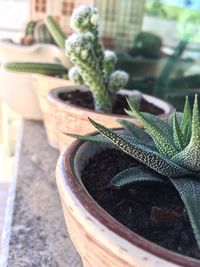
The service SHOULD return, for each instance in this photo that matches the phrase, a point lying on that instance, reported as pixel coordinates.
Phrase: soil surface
(85, 100)
(153, 211)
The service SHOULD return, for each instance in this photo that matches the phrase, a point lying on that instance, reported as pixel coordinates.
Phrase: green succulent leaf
(189, 157)
(135, 130)
(135, 99)
(103, 139)
(169, 120)
(158, 130)
(189, 191)
(186, 123)
(135, 175)
(142, 153)
(178, 136)
(91, 138)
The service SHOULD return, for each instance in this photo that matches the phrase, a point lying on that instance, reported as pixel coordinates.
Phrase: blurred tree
(157, 9)
(188, 2)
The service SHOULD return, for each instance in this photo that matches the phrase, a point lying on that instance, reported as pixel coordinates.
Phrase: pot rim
(25, 48)
(76, 188)
(53, 98)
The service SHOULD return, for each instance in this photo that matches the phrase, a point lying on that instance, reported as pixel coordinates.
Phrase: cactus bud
(118, 80)
(84, 18)
(78, 45)
(109, 62)
(75, 76)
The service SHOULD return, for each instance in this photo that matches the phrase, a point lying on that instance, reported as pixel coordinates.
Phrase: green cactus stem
(56, 32)
(94, 66)
(37, 32)
(80, 50)
(34, 67)
(42, 35)
(86, 19)
(30, 27)
(163, 82)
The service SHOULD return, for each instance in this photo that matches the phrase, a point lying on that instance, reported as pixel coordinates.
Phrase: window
(13, 16)
(67, 8)
(40, 6)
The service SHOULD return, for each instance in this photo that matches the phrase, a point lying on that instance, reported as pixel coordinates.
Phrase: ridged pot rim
(74, 187)
(26, 48)
(53, 98)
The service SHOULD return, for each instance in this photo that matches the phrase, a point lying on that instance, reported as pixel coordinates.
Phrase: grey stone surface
(39, 236)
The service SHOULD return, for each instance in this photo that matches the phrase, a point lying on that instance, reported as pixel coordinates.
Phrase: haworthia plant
(94, 66)
(174, 158)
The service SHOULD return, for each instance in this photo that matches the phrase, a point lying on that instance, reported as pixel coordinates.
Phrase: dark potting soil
(85, 100)
(153, 211)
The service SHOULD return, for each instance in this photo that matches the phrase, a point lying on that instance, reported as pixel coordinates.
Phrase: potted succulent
(42, 48)
(33, 45)
(94, 68)
(99, 95)
(132, 198)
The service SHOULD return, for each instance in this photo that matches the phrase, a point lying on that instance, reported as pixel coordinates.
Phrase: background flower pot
(99, 238)
(43, 84)
(34, 53)
(64, 117)
(20, 85)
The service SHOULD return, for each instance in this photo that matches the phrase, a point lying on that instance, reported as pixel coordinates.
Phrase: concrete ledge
(37, 235)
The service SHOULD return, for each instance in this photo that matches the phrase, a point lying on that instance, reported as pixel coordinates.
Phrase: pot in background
(34, 53)
(43, 84)
(17, 89)
(64, 118)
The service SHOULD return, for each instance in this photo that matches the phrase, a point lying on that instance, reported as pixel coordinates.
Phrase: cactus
(30, 27)
(56, 32)
(37, 32)
(42, 34)
(162, 84)
(34, 67)
(147, 44)
(94, 66)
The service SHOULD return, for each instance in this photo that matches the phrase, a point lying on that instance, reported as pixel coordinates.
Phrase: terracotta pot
(25, 102)
(69, 118)
(99, 238)
(43, 84)
(34, 53)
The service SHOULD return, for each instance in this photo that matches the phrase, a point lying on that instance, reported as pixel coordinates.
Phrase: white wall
(13, 16)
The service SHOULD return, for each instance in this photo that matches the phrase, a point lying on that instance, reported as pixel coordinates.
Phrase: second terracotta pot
(67, 118)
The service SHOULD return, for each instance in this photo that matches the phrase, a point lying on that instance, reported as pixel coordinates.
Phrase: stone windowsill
(35, 234)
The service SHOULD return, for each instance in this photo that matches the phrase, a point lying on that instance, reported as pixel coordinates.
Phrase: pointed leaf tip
(186, 123)
(160, 131)
(178, 136)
